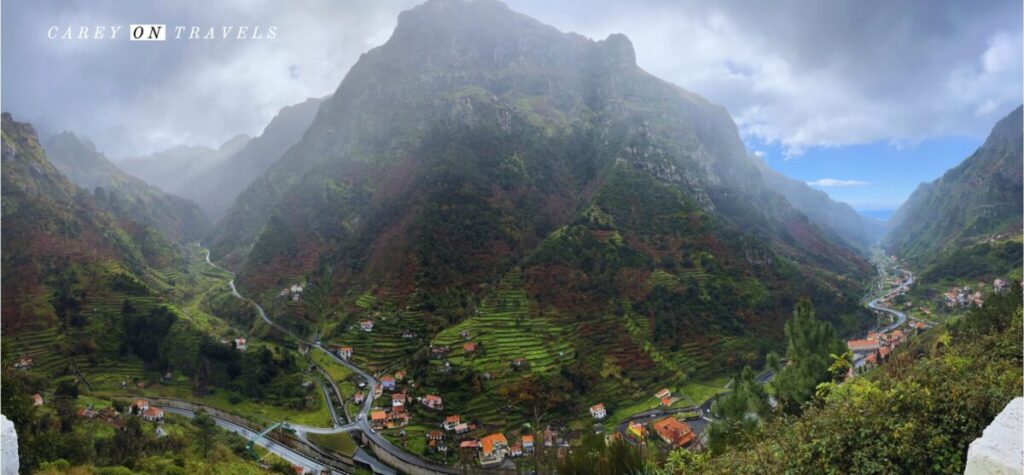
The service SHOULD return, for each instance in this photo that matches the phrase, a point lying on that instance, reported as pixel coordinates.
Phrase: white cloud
(828, 182)
(842, 73)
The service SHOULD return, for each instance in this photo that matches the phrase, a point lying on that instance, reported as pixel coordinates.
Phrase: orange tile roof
(489, 441)
(597, 407)
(527, 439)
(451, 419)
(862, 344)
(674, 431)
(378, 415)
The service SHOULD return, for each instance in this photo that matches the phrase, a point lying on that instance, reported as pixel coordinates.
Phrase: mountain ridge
(975, 201)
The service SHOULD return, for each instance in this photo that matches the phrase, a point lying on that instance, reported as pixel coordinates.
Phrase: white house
(598, 412)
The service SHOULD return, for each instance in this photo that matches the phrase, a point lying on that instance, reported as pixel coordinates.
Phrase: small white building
(366, 325)
(597, 411)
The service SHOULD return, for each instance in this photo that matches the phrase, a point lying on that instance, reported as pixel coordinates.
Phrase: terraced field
(384, 348)
(45, 347)
(505, 330)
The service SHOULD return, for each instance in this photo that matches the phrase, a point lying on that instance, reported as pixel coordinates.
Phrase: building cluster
(110, 416)
(876, 347)
(963, 297)
(673, 432)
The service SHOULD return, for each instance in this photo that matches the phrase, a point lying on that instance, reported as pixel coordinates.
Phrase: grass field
(337, 372)
(341, 443)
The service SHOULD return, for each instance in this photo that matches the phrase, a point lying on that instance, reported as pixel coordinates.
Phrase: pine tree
(809, 345)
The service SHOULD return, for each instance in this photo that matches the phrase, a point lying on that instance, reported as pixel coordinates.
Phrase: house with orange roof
(597, 411)
(527, 442)
(397, 400)
(860, 346)
(469, 347)
(345, 352)
(378, 419)
(387, 382)
(493, 449)
(398, 417)
(450, 422)
(153, 414)
(399, 375)
(366, 325)
(37, 399)
(359, 397)
(433, 402)
(140, 406)
(674, 432)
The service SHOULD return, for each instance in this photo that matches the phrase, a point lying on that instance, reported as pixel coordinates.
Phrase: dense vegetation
(54, 439)
(916, 413)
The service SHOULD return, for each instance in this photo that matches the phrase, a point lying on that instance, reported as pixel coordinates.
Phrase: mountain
(174, 217)
(219, 184)
(173, 169)
(50, 225)
(851, 227)
(481, 169)
(972, 211)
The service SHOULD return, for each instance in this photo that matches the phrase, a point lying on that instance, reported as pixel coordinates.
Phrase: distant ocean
(882, 214)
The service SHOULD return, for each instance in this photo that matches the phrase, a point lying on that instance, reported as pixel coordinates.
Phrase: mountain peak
(619, 50)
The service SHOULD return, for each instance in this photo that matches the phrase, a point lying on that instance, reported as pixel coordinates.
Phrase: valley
(498, 247)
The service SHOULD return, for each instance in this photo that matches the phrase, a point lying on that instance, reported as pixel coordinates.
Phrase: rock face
(8, 447)
(1000, 450)
(977, 200)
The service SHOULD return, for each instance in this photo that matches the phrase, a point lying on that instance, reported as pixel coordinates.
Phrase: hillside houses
(493, 449)
(366, 325)
(598, 412)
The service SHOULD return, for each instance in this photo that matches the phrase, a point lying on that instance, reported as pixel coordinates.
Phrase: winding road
(900, 317)
(362, 423)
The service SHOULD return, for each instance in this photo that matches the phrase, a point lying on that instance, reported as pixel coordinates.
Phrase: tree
(809, 346)
(595, 456)
(206, 426)
(739, 413)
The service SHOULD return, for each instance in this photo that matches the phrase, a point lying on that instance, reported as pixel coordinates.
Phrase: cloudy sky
(863, 99)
